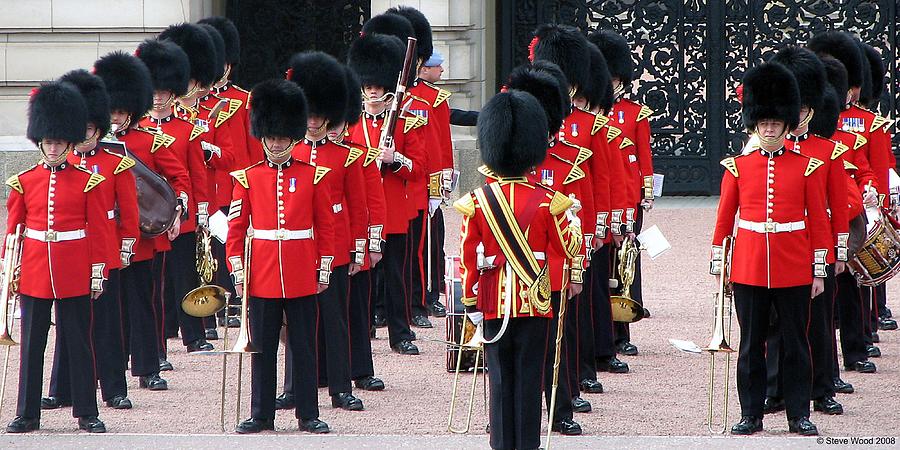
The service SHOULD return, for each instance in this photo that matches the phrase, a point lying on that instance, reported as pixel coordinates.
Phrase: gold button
(771, 190)
(771, 196)
(282, 222)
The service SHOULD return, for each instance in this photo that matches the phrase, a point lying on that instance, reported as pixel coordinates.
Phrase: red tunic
(344, 181)
(375, 201)
(417, 120)
(634, 121)
(246, 152)
(118, 197)
(219, 165)
(60, 199)
(779, 188)
(548, 232)
(877, 149)
(275, 197)
(440, 118)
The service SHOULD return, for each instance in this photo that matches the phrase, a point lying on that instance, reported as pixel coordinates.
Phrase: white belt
(337, 207)
(489, 260)
(53, 235)
(771, 227)
(283, 235)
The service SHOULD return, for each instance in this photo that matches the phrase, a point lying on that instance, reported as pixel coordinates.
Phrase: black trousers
(360, 346)
(378, 289)
(879, 305)
(395, 308)
(334, 334)
(868, 299)
(137, 307)
(513, 365)
(106, 332)
(572, 344)
(563, 390)
(73, 329)
(753, 305)
(266, 316)
(604, 342)
(435, 256)
(821, 341)
(622, 329)
(585, 365)
(181, 276)
(414, 275)
(849, 309)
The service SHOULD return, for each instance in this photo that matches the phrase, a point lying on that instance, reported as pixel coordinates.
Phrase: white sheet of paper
(686, 346)
(218, 226)
(658, 179)
(894, 180)
(654, 242)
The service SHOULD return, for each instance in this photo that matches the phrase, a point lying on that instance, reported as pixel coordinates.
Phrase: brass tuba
(624, 308)
(207, 299)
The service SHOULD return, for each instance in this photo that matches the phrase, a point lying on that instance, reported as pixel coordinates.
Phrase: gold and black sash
(513, 243)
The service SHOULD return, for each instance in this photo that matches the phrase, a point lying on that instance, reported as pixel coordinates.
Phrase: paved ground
(663, 396)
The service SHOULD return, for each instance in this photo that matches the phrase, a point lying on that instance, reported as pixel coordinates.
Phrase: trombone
(719, 342)
(207, 299)
(12, 263)
(476, 343)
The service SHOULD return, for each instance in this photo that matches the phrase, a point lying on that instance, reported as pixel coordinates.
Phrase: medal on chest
(292, 185)
(574, 130)
(95, 168)
(621, 116)
(547, 177)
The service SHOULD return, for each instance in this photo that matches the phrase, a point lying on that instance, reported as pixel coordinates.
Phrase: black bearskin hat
(278, 109)
(865, 88)
(807, 70)
(877, 71)
(354, 97)
(512, 133)
(836, 74)
(421, 27)
(824, 122)
(128, 83)
(843, 47)
(93, 91)
(566, 47)
(559, 76)
(200, 49)
(219, 44)
(392, 24)
(230, 34)
(57, 111)
(770, 92)
(545, 88)
(168, 64)
(377, 59)
(322, 79)
(617, 53)
(600, 92)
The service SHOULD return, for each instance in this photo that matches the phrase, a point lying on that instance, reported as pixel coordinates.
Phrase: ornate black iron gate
(691, 55)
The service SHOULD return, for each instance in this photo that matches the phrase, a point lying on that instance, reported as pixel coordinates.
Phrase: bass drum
(878, 259)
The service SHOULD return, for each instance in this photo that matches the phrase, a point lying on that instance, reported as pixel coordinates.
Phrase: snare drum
(878, 260)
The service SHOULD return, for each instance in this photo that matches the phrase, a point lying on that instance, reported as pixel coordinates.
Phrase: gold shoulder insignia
(124, 164)
(320, 172)
(644, 113)
(599, 121)
(409, 123)
(812, 166)
(860, 141)
(353, 154)
(574, 175)
(241, 177)
(442, 97)
(371, 155)
(195, 132)
(465, 205)
(625, 143)
(877, 123)
(612, 133)
(583, 155)
(233, 106)
(730, 164)
(421, 122)
(559, 203)
(484, 170)
(14, 183)
(93, 181)
(839, 149)
(161, 140)
(849, 166)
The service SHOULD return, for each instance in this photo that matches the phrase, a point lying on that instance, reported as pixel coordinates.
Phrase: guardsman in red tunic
(506, 288)
(368, 250)
(781, 246)
(64, 250)
(811, 78)
(170, 71)
(322, 79)
(291, 253)
(120, 202)
(546, 82)
(130, 90)
(633, 119)
(855, 118)
(377, 59)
